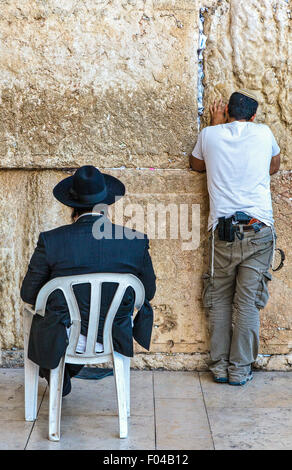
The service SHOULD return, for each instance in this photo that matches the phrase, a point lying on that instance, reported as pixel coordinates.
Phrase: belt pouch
(221, 228)
(229, 230)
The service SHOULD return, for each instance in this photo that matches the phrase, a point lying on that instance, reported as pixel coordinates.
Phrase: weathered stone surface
(199, 361)
(249, 46)
(27, 207)
(169, 361)
(110, 82)
(274, 362)
(114, 84)
(180, 321)
(179, 318)
(276, 319)
(12, 358)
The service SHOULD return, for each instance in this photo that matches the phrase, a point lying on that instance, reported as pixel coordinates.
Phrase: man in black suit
(91, 244)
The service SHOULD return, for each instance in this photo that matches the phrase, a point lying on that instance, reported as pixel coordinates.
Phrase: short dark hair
(241, 106)
(77, 211)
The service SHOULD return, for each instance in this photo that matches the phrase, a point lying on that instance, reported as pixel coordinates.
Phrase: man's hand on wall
(218, 113)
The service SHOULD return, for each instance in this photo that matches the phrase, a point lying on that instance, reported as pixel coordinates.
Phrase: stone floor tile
(252, 441)
(11, 375)
(93, 433)
(267, 389)
(176, 384)
(256, 420)
(256, 416)
(142, 380)
(12, 393)
(180, 443)
(98, 397)
(257, 428)
(181, 422)
(14, 434)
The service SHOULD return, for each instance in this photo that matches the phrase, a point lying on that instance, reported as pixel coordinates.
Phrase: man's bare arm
(197, 164)
(275, 164)
(218, 116)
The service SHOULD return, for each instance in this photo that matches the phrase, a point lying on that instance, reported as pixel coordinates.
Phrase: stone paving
(169, 410)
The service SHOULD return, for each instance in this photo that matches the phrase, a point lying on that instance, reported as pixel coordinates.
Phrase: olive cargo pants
(233, 297)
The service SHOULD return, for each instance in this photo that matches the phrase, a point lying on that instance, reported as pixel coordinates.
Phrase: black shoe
(70, 371)
(66, 388)
(45, 373)
(66, 382)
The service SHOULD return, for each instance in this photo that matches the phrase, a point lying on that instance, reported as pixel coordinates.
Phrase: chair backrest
(65, 284)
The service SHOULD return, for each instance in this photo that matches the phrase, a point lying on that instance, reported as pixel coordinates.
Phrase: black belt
(247, 228)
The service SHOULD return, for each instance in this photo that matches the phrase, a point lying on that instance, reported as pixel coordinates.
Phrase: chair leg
(126, 363)
(31, 380)
(55, 401)
(31, 374)
(121, 393)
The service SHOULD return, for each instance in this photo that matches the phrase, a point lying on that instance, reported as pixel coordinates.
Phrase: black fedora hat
(88, 187)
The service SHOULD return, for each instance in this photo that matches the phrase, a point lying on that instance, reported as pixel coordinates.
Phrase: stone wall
(114, 84)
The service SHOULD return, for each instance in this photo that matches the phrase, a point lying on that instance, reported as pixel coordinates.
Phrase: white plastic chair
(121, 364)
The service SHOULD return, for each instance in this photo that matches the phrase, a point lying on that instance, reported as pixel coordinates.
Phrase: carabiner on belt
(282, 259)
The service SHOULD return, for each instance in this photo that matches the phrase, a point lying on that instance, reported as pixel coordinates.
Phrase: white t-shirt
(237, 156)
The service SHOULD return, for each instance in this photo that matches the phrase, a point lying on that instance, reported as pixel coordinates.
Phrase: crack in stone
(201, 47)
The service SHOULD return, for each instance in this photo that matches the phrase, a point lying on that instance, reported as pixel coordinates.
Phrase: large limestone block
(249, 46)
(31, 208)
(110, 82)
(276, 319)
(27, 207)
(180, 326)
(179, 317)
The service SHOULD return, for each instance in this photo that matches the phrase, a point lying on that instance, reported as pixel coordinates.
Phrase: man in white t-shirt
(239, 157)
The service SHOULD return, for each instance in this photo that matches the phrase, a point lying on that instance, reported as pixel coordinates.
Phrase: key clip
(282, 259)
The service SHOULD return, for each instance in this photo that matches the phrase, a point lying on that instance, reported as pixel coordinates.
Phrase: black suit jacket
(72, 249)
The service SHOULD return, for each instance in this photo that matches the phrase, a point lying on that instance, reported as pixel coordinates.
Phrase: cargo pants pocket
(207, 288)
(262, 295)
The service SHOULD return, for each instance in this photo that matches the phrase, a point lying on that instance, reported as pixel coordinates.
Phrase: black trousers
(70, 370)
